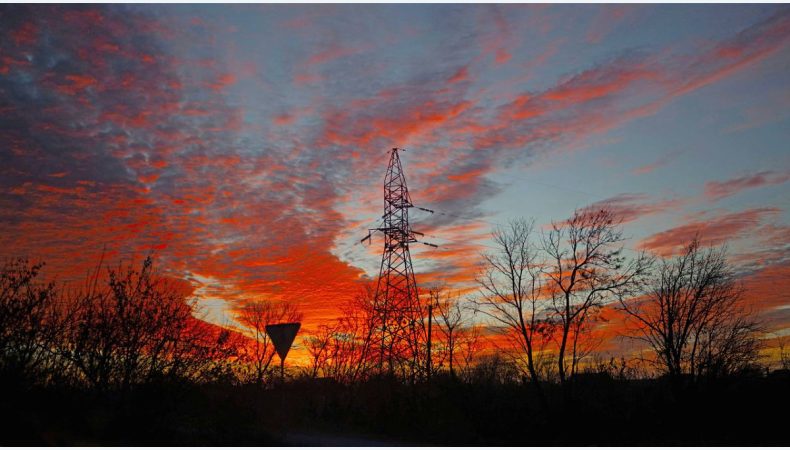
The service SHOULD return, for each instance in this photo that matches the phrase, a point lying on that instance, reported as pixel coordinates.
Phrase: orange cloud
(714, 231)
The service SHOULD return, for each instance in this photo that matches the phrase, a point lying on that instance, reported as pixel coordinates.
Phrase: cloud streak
(713, 231)
(717, 190)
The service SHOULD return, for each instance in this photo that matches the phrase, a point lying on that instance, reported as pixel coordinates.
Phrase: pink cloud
(461, 74)
(498, 40)
(717, 190)
(631, 207)
(332, 53)
(608, 18)
(223, 81)
(714, 231)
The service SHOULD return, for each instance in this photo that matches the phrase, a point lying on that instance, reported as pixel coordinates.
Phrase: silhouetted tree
(29, 322)
(583, 339)
(255, 316)
(450, 324)
(692, 317)
(318, 347)
(585, 269)
(340, 350)
(137, 328)
(510, 282)
(495, 368)
(615, 368)
(470, 344)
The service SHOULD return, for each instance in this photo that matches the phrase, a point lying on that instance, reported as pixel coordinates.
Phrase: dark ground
(742, 411)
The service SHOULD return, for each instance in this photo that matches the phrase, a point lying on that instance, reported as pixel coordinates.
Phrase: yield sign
(283, 335)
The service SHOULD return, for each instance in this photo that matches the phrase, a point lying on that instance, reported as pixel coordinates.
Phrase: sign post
(282, 335)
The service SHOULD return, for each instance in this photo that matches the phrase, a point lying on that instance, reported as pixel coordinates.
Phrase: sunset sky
(245, 146)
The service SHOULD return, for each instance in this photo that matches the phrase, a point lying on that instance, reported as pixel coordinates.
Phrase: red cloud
(767, 289)
(633, 86)
(717, 190)
(499, 40)
(461, 75)
(223, 81)
(594, 84)
(77, 84)
(630, 207)
(746, 48)
(713, 232)
(25, 35)
(647, 168)
(609, 17)
(265, 225)
(284, 119)
(307, 78)
(333, 53)
(660, 162)
(397, 125)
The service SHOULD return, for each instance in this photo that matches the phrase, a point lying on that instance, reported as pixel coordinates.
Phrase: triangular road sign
(283, 335)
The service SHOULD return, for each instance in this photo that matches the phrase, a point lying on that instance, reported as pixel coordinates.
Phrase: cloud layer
(245, 145)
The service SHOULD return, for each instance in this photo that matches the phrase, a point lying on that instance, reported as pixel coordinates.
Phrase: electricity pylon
(398, 330)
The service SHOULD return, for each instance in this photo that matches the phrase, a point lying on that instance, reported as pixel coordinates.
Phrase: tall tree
(692, 317)
(510, 283)
(585, 269)
(450, 323)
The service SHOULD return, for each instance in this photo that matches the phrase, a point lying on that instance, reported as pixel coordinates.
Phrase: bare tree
(29, 322)
(583, 341)
(358, 322)
(450, 323)
(255, 316)
(470, 344)
(133, 327)
(511, 289)
(337, 350)
(148, 314)
(91, 340)
(319, 346)
(692, 317)
(138, 327)
(341, 350)
(585, 269)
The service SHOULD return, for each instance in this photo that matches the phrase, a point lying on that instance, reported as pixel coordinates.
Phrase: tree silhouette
(511, 284)
(692, 316)
(450, 324)
(29, 322)
(255, 316)
(136, 328)
(585, 269)
(339, 350)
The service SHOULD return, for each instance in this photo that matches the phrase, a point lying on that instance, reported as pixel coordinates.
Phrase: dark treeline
(124, 360)
(131, 328)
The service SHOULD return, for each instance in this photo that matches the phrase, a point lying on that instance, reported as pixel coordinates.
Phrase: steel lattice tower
(398, 328)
